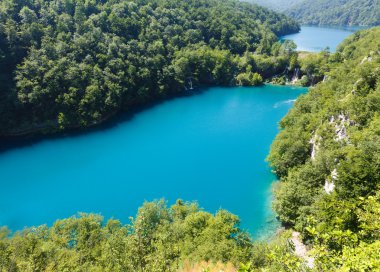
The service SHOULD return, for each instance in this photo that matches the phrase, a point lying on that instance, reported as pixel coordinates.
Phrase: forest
(327, 12)
(75, 63)
(159, 238)
(68, 64)
(336, 12)
(327, 156)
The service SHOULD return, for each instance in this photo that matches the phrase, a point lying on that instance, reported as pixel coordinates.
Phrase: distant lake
(209, 147)
(317, 38)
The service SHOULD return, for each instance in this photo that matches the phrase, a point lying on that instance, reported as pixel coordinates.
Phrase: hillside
(278, 5)
(327, 156)
(336, 12)
(328, 12)
(73, 64)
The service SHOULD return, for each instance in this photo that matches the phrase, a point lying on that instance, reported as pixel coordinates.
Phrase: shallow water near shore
(210, 147)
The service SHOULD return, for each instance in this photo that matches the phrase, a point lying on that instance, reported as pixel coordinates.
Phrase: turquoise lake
(317, 38)
(209, 147)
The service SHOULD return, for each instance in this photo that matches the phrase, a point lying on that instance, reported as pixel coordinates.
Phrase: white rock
(340, 123)
(315, 142)
(334, 174)
(329, 187)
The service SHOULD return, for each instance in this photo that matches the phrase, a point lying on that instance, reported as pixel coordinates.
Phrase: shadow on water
(14, 142)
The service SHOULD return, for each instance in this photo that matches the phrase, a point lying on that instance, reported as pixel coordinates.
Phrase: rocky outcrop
(341, 122)
(369, 59)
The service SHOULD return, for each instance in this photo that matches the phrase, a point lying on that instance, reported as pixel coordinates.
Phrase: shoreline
(53, 131)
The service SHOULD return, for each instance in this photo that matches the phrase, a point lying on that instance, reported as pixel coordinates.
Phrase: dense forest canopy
(337, 12)
(328, 158)
(159, 238)
(73, 63)
(328, 12)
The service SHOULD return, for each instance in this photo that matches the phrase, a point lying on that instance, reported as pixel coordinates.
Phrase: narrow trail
(300, 250)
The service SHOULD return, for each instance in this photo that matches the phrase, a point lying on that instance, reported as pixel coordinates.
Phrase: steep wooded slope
(73, 63)
(328, 158)
(337, 12)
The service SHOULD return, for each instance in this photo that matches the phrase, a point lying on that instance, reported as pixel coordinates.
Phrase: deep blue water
(208, 147)
(317, 38)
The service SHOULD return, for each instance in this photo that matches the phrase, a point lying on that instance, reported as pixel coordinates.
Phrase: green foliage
(279, 80)
(74, 63)
(328, 12)
(160, 238)
(275, 255)
(336, 12)
(346, 250)
(67, 64)
(249, 79)
(315, 66)
(305, 80)
(332, 136)
(297, 192)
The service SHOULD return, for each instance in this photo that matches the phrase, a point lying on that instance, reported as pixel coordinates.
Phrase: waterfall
(324, 78)
(296, 75)
(191, 84)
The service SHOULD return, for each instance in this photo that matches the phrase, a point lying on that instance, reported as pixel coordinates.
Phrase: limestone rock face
(330, 184)
(341, 122)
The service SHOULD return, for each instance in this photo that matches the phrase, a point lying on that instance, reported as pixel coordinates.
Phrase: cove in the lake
(209, 147)
(317, 38)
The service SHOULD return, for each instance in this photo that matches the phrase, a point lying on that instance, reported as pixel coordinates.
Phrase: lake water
(208, 147)
(317, 38)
